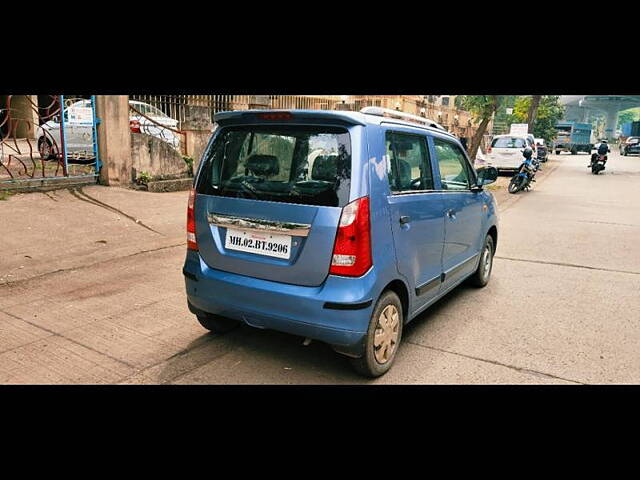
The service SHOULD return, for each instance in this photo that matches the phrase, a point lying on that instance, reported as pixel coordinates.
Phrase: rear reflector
(192, 244)
(352, 251)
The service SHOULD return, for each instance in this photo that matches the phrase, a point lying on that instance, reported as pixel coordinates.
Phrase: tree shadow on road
(249, 355)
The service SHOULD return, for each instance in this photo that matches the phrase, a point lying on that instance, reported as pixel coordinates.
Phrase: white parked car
(78, 118)
(505, 152)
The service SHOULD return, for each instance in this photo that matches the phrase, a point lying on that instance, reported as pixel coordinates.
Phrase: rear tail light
(488, 149)
(191, 222)
(134, 125)
(352, 250)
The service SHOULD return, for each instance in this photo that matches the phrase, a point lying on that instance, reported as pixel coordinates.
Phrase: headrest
(404, 172)
(263, 165)
(325, 167)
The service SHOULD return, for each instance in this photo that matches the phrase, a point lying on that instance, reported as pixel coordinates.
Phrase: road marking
(562, 264)
(55, 334)
(494, 362)
(608, 223)
(81, 267)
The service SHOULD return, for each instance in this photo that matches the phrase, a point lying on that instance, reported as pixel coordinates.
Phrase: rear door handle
(405, 219)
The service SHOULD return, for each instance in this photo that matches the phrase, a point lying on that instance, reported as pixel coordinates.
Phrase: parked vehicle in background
(630, 129)
(572, 137)
(154, 125)
(522, 129)
(505, 152)
(78, 120)
(335, 226)
(531, 141)
(631, 146)
(525, 175)
(541, 150)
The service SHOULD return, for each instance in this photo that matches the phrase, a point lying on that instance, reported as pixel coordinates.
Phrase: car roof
(354, 118)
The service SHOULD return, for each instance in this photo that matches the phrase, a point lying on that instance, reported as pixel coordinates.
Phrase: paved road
(91, 291)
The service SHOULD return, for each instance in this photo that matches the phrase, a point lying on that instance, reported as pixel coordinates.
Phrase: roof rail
(387, 112)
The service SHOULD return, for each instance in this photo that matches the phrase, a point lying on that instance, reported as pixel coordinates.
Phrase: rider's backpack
(603, 149)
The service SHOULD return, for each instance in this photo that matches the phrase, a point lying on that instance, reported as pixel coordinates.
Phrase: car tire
(45, 149)
(557, 152)
(481, 276)
(217, 324)
(387, 320)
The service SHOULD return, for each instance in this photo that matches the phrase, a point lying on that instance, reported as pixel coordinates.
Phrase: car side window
(408, 165)
(454, 171)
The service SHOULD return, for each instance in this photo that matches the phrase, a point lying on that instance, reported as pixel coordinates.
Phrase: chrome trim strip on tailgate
(260, 225)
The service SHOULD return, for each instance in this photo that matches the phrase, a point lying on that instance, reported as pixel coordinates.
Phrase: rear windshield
(508, 142)
(292, 164)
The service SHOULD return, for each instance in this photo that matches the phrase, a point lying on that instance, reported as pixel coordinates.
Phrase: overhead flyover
(579, 108)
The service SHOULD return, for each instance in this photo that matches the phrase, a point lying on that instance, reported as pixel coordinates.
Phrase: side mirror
(487, 175)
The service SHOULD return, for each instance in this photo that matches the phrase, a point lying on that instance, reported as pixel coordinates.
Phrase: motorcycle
(526, 173)
(597, 163)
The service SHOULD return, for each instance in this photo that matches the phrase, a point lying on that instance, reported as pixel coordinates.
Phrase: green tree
(533, 110)
(482, 107)
(626, 116)
(549, 111)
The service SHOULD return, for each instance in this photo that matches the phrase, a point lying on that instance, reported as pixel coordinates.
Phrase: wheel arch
(493, 231)
(399, 288)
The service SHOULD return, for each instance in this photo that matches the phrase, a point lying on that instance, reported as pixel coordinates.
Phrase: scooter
(526, 173)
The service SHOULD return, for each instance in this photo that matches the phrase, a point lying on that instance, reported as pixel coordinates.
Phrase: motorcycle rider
(603, 149)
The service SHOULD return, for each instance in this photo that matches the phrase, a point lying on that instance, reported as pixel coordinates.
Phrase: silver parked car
(78, 119)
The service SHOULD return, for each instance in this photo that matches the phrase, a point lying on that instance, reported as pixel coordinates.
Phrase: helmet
(527, 152)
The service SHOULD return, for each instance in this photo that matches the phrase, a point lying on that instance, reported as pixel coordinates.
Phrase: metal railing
(35, 145)
(459, 122)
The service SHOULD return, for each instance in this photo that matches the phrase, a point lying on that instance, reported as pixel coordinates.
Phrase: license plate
(271, 245)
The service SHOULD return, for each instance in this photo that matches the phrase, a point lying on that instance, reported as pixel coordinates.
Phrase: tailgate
(270, 196)
(268, 240)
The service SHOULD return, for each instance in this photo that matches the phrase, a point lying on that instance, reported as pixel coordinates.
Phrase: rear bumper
(336, 312)
(505, 164)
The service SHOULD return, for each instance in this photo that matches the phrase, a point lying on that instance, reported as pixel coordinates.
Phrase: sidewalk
(65, 229)
(91, 288)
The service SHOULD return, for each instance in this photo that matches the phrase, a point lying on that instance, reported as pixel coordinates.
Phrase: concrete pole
(197, 128)
(114, 139)
(24, 115)
(611, 122)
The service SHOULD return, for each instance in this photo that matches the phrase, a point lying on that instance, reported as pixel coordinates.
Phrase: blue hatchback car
(335, 226)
